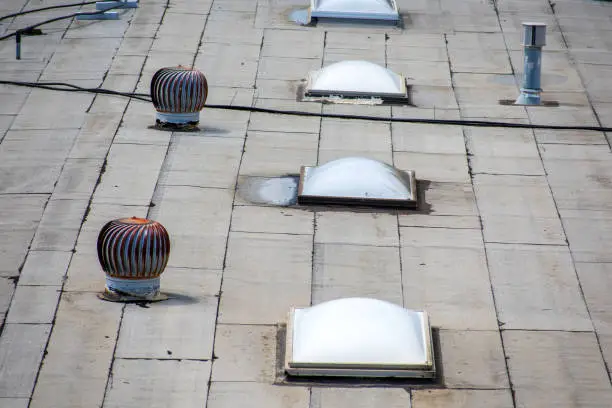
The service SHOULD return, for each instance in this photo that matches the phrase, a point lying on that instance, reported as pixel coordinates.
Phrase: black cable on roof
(59, 6)
(61, 86)
(456, 122)
(30, 28)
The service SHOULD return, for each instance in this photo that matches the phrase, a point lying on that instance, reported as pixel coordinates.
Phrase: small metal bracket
(22, 33)
(106, 15)
(105, 5)
(18, 45)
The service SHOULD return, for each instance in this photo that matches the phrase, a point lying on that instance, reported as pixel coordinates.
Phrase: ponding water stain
(280, 191)
(300, 17)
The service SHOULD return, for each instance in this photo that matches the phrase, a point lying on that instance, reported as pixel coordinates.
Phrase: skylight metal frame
(401, 96)
(355, 370)
(354, 15)
(408, 176)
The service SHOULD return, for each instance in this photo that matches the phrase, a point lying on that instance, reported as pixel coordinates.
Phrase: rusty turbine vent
(133, 253)
(178, 94)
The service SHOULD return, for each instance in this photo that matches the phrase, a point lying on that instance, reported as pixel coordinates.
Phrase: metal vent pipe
(534, 38)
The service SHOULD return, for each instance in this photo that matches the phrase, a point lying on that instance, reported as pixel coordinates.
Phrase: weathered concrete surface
(21, 351)
(559, 368)
(252, 394)
(510, 241)
(79, 353)
(156, 383)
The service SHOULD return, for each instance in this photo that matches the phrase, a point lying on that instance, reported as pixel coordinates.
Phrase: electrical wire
(52, 20)
(61, 86)
(21, 13)
(454, 122)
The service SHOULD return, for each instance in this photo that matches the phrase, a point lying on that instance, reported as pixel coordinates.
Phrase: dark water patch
(280, 191)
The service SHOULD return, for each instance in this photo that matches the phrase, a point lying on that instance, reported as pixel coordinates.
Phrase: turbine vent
(178, 94)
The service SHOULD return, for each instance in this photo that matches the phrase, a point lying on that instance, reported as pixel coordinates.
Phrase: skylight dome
(359, 337)
(355, 9)
(357, 180)
(356, 79)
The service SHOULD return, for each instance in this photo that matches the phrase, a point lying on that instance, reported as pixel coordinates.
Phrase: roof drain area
(357, 181)
(357, 82)
(361, 341)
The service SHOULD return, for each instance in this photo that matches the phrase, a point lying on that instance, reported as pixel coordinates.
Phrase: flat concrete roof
(508, 253)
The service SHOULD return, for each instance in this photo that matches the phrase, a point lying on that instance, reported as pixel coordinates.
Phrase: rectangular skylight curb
(355, 16)
(289, 343)
(317, 12)
(413, 190)
(311, 91)
(428, 342)
(363, 373)
(321, 93)
(359, 370)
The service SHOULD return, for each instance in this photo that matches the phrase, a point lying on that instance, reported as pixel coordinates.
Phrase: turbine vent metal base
(126, 290)
(178, 118)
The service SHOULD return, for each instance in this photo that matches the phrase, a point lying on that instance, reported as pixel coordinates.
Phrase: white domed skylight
(356, 79)
(359, 337)
(357, 180)
(355, 9)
